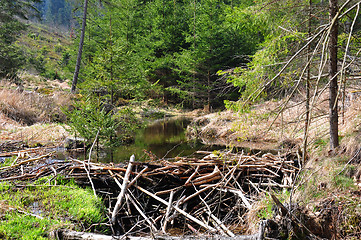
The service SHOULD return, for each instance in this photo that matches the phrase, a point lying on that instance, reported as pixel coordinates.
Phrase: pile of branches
(183, 195)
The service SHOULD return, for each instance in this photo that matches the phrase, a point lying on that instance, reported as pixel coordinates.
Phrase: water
(164, 138)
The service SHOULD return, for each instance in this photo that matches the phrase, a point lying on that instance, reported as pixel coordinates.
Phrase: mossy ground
(33, 210)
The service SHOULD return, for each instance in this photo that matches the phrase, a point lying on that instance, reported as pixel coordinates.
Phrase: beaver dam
(206, 196)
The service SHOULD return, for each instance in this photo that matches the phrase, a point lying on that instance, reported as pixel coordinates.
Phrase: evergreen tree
(11, 11)
(167, 49)
(56, 12)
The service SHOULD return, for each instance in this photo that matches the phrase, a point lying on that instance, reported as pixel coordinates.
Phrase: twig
(87, 171)
(354, 156)
(192, 176)
(138, 176)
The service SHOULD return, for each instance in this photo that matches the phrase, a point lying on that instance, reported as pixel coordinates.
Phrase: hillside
(48, 52)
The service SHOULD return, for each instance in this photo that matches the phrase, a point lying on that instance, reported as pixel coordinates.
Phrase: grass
(30, 107)
(263, 208)
(64, 205)
(45, 48)
(19, 226)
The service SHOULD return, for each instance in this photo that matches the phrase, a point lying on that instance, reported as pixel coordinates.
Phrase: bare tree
(333, 89)
(80, 50)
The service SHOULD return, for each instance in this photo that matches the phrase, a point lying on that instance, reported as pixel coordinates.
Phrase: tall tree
(333, 89)
(11, 58)
(80, 50)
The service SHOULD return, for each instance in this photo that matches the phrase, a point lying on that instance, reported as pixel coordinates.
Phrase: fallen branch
(122, 191)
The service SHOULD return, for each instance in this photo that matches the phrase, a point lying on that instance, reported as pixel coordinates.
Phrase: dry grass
(266, 125)
(350, 127)
(30, 107)
(45, 134)
(29, 116)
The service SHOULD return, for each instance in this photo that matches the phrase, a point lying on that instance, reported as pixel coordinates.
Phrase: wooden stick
(229, 233)
(178, 209)
(169, 208)
(204, 181)
(27, 161)
(175, 214)
(158, 170)
(115, 179)
(218, 222)
(168, 191)
(122, 191)
(151, 225)
(138, 176)
(210, 175)
(240, 194)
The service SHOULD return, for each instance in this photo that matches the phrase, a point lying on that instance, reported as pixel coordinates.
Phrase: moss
(59, 206)
(20, 226)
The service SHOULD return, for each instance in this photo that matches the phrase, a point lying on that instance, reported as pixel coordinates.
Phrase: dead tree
(80, 49)
(333, 89)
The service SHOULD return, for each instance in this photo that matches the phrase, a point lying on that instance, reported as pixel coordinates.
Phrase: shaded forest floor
(326, 190)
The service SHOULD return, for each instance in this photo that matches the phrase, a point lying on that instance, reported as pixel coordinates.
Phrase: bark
(80, 50)
(333, 102)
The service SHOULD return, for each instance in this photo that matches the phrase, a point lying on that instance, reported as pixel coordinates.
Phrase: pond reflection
(164, 138)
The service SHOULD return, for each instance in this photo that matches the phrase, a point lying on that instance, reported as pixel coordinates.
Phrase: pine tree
(11, 58)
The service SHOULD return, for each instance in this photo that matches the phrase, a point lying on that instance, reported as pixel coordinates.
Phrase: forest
(269, 88)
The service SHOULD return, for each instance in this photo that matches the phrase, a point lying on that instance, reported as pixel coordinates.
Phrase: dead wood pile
(210, 194)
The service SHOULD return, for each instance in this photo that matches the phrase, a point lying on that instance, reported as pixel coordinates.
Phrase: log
(73, 235)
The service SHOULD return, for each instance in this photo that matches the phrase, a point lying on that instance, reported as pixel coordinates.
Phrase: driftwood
(208, 195)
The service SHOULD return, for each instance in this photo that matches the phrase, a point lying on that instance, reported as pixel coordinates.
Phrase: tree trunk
(307, 121)
(333, 103)
(80, 50)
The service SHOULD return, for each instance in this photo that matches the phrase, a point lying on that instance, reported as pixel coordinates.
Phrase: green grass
(266, 212)
(19, 226)
(45, 50)
(7, 161)
(61, 206)
(343, 182)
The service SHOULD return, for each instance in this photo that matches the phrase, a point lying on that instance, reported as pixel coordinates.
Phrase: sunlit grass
(59, 206)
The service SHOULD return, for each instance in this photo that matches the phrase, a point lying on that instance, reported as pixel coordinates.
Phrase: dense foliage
(11, 11)
(169, 50)
(291, 24)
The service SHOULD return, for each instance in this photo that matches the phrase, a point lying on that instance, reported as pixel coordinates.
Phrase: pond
(164, 138)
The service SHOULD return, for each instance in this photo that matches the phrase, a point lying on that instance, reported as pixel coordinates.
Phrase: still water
(164, 138)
